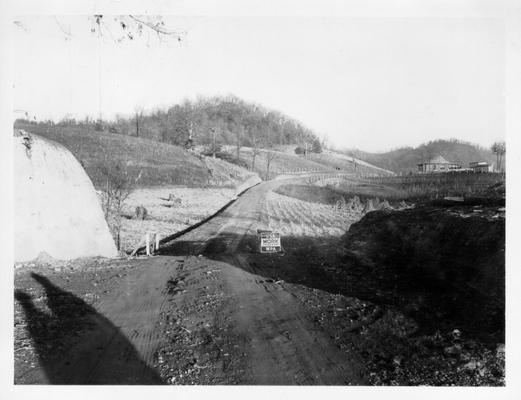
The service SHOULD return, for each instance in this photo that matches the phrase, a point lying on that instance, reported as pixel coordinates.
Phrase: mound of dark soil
(443, 266)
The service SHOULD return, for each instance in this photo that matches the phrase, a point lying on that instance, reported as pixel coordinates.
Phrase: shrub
(299, 150)
(141, 212)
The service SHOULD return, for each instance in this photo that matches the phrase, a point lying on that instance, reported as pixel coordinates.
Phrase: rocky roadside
(389, 345)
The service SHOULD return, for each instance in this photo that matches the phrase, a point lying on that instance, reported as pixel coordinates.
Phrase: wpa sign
(270, 242)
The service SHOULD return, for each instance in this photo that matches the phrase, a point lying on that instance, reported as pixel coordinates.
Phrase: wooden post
(147, 243)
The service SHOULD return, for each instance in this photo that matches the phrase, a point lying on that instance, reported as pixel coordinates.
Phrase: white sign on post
(270, 242)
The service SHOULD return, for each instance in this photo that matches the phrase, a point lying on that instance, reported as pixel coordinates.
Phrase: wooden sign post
(151, 242)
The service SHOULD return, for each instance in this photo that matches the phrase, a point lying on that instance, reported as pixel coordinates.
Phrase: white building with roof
(437, 164)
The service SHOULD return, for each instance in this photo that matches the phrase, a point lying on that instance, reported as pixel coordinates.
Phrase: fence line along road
(485, 178)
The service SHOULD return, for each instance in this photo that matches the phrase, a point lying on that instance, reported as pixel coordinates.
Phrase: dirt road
(282, 345)
(208, 310)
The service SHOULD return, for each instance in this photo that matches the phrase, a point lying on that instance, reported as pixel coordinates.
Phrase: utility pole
(213, 133)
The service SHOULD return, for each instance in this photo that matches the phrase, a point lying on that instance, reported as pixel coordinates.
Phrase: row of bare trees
(270, 157)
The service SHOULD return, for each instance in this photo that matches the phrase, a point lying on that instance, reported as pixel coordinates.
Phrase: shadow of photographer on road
(77, 345)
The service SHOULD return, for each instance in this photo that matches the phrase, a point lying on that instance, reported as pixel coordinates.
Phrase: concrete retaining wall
(56, 207)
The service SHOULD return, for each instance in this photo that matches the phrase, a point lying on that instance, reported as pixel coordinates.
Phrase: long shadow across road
(72, 341)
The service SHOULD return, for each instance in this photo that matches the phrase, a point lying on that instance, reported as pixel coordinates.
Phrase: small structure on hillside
(56, 209)
(437, 164)
(480, 166)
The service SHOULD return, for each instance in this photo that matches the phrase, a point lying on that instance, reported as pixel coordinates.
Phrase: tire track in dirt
(134, 308)
(285, 347)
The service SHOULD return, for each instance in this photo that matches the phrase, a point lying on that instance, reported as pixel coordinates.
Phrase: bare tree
(138, 118)
(119, 183)
(254, 153)
(214, 141)
(306, 147)
(130, 27)
(270, 156)
(120, 28)
(255, 150)
(239, 138)
(499, 149)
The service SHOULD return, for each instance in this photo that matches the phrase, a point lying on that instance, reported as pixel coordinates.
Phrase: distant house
(480, 166)
(437, 164)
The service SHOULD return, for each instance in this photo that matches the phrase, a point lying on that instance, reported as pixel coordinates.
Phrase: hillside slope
(280, 163)
(346, 163)
(286, 161)
(406, 159)
(159, 163)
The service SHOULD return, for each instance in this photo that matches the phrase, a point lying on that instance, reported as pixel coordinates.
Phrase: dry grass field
(165, 216)
(330, 192)
(294, 217)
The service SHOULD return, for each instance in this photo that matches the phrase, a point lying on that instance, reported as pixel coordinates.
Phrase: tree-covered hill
(225, 120)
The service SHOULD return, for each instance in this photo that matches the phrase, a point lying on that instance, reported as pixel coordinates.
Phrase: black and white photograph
(306, 195)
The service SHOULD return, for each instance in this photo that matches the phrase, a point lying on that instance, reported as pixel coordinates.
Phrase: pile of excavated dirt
(443, 269)
(444, 265)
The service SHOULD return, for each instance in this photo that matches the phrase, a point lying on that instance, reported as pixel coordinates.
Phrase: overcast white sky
(371, 83)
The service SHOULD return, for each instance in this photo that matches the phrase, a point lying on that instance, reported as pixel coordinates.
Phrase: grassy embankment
(160, 164)
(280, 162)
(288, 162)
